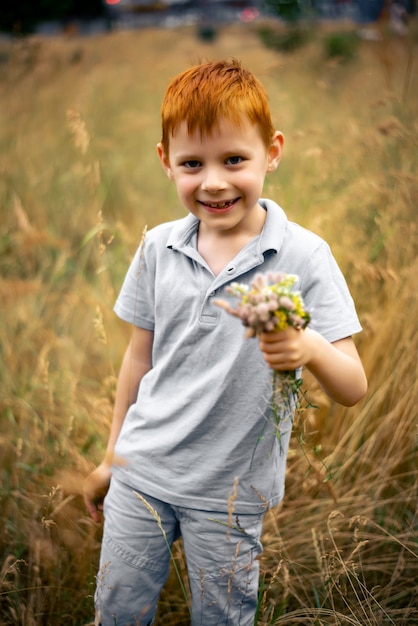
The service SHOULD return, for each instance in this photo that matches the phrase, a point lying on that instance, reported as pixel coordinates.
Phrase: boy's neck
(219, 247)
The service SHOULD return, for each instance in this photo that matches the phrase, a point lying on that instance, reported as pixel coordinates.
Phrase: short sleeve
(135, 303)
(327, 297)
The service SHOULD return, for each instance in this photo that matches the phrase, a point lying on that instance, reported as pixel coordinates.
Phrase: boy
(193, 440)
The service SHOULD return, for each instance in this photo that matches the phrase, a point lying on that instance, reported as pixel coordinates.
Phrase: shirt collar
(271, 236)
(274, 229)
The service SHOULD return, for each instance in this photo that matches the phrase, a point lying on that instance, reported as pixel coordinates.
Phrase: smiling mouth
(219, 205)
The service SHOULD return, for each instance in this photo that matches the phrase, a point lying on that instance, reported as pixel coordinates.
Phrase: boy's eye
(234, 160)
(192, 164)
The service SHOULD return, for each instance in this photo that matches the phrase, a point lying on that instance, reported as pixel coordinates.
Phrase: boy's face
(219, 177)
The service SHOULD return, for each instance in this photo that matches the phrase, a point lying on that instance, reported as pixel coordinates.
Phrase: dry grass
(79, 179)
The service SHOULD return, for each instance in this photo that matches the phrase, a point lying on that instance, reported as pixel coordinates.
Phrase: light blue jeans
(220, 552)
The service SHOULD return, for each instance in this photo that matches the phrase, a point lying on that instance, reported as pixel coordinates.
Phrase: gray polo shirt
(202, 417)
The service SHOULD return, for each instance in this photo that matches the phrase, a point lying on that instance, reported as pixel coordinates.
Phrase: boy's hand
(336, 366)
(95, 488)
(285, 349)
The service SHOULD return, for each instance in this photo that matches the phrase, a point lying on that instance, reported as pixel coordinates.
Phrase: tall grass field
(79, 181)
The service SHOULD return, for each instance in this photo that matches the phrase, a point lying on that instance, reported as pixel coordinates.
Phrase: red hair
(203, 94)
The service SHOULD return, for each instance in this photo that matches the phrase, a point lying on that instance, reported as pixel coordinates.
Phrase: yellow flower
(281, 320)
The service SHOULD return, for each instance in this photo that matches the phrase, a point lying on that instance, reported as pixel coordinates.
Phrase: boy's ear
(275, 151)
(164, 161)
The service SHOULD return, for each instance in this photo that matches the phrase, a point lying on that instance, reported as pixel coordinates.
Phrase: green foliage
(207, 32)
(290, 10)
(287, 9)
(342, 45)
(284, 40)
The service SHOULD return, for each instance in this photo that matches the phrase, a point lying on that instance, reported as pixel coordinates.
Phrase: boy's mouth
(218, 206)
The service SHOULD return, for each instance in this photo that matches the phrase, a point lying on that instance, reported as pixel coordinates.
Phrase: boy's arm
(336, 366)
(136, 362)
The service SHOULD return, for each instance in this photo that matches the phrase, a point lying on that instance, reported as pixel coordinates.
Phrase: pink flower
(286, 303)
(263, 311)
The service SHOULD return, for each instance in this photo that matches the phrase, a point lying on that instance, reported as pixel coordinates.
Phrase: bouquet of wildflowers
(271, 304)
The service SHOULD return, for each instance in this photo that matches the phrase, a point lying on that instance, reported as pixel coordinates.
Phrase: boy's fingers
(92, 509)
(269, 340)
(90, 499)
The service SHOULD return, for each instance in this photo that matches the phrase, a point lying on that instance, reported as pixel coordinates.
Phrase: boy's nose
(213, 180)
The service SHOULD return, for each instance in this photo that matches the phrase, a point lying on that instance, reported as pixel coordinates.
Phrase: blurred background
(50, 16)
